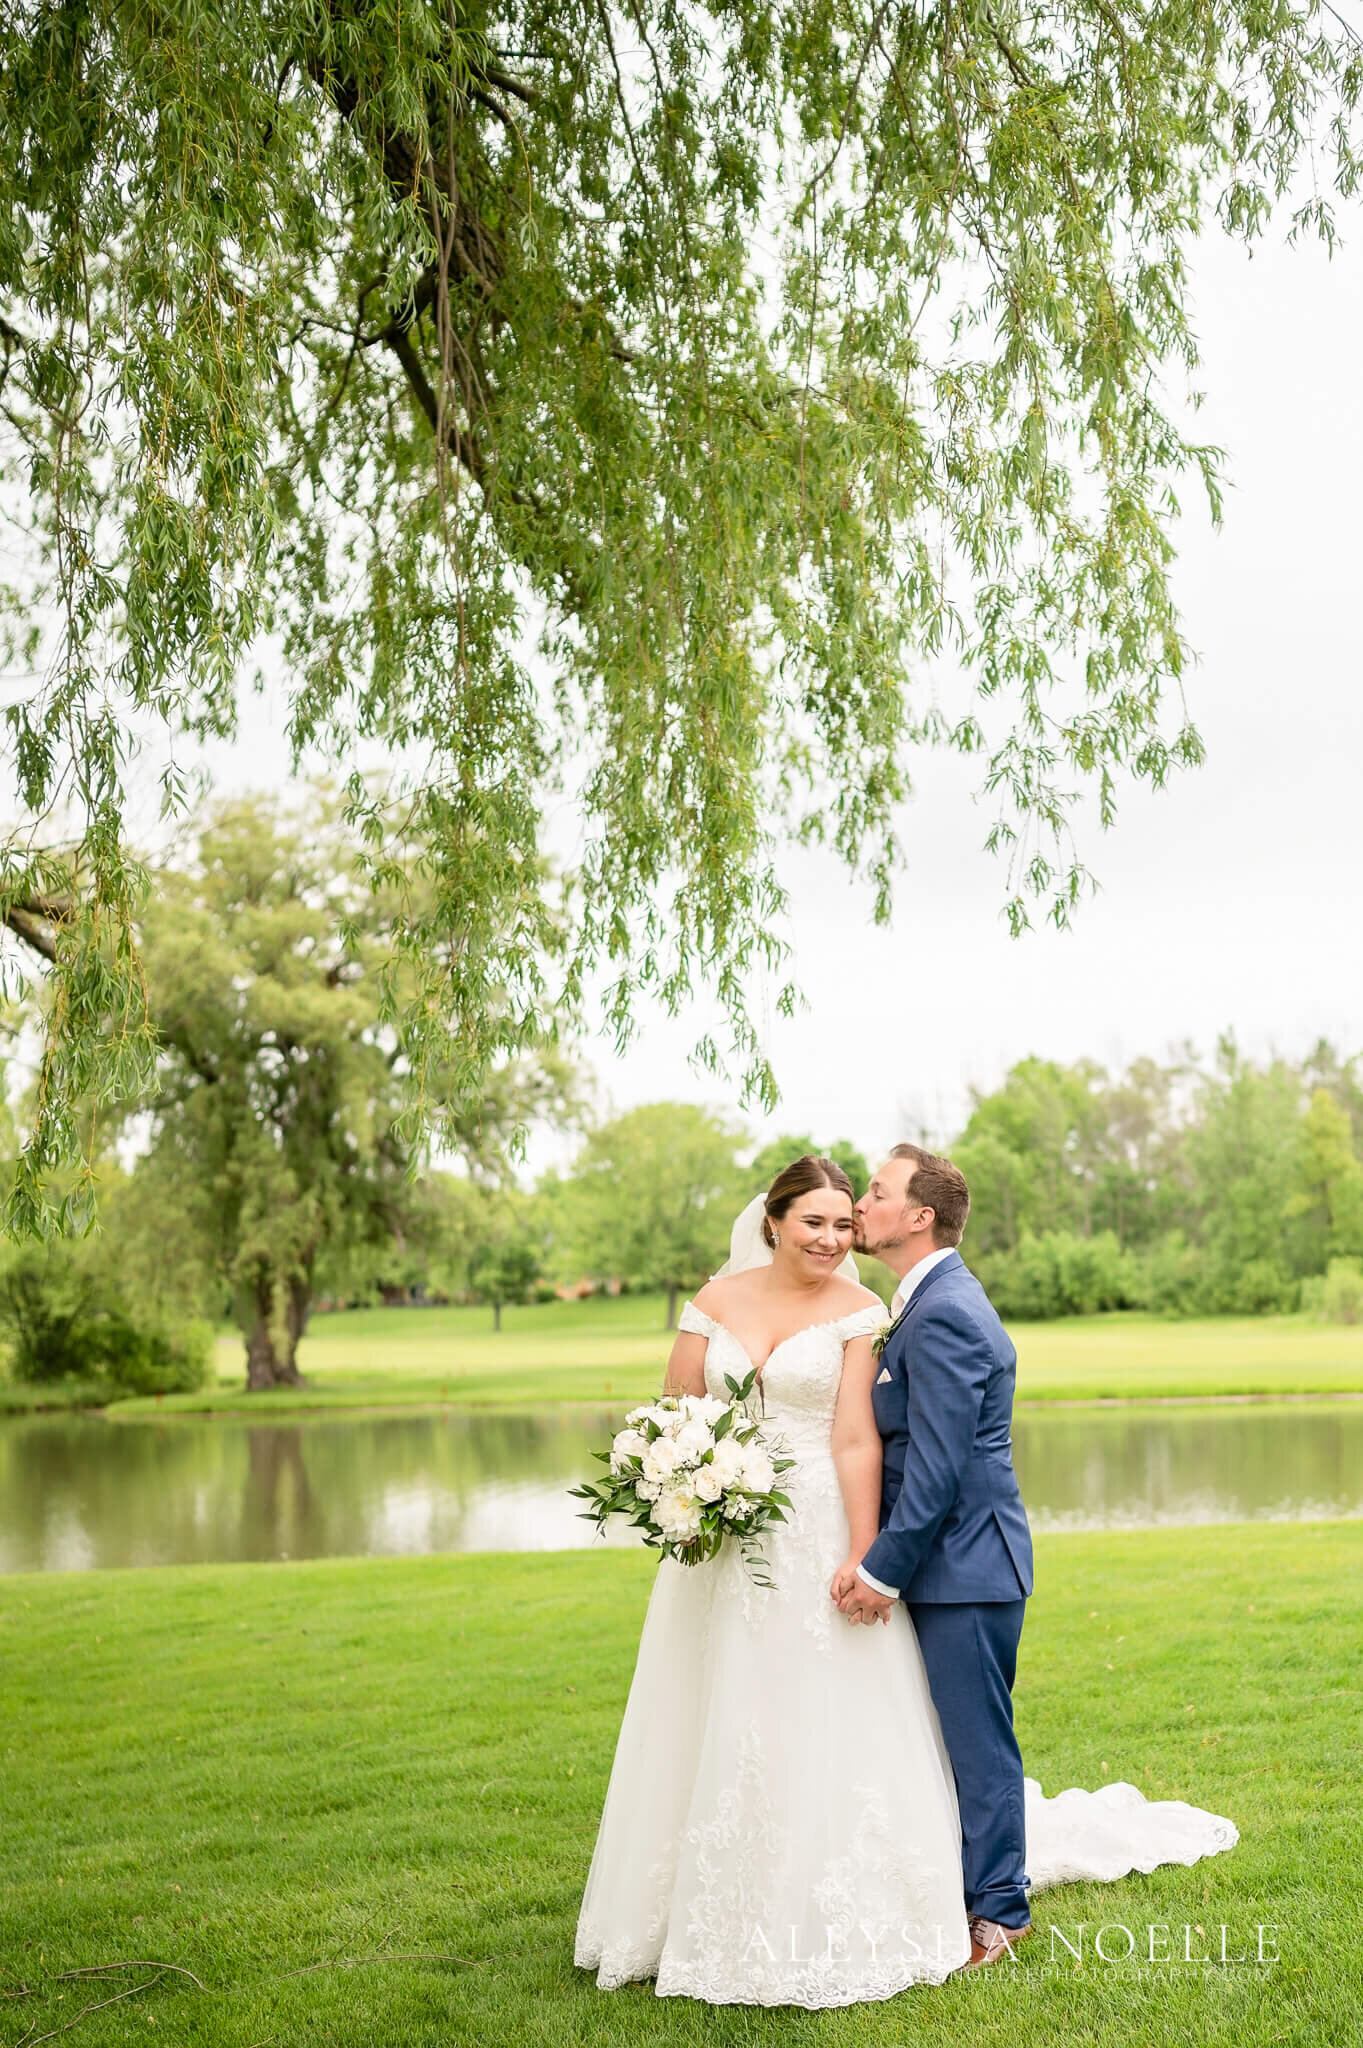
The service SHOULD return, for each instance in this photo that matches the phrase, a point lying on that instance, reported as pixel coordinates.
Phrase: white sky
(1229, 901)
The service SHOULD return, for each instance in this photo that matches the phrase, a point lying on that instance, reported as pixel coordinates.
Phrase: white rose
(631, 1443)
(710, 1408)
(707, 1483)
(677, 1514)
(727, 1463)
(759, 1474)
(695, 1440)
(634, 1415)
(661, 1458)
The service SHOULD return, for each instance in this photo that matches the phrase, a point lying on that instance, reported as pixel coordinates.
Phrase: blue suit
(954, 1540)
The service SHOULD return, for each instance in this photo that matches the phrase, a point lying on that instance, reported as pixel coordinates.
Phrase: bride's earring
(775, 1239)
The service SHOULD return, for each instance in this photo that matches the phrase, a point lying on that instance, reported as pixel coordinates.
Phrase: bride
(781, 1824)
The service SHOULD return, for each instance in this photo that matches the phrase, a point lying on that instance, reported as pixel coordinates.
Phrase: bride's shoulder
(713, 1298)
(860, 1297)
(855, 1298)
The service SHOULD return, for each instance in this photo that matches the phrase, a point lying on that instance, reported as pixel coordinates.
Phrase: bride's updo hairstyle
(795, 1180)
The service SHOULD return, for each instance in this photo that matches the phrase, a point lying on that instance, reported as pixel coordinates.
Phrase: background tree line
(1184, 1188)
(275, 1159)
(1188, 1188)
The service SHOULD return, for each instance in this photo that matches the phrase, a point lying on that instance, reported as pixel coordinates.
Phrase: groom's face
(884, 1214)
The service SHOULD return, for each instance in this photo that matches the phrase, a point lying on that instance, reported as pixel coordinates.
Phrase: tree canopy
(650, 1199)
(782, 1152)
(279, 1141)
(618, 408)
(1224, 1187)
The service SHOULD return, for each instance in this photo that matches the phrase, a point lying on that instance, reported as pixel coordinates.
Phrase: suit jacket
(952, 1523)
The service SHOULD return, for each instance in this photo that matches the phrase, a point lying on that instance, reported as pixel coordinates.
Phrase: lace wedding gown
(780, 1826)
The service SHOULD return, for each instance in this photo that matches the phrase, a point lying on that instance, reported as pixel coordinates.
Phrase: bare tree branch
(35, 920)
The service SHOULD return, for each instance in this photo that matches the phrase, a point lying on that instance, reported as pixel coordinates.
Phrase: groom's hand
(862, 1603)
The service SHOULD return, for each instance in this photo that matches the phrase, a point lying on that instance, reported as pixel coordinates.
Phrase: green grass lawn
(357, 1799)
(615, 1350)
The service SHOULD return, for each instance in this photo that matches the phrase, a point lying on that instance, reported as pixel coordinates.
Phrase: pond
(78, 1492)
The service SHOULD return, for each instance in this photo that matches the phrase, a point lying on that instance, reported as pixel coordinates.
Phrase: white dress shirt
(898, 1303)
(915, 1276)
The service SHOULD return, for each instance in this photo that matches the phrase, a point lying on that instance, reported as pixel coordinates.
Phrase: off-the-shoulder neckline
(829, 1323)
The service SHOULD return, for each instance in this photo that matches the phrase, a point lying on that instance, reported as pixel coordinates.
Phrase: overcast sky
(1230, 901)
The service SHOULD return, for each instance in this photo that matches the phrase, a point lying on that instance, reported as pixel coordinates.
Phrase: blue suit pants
(970, 1653)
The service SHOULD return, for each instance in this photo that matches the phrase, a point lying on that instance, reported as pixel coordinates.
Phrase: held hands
(842, 1581)
(854, 1599)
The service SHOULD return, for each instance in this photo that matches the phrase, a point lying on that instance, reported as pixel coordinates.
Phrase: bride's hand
(843, 1579)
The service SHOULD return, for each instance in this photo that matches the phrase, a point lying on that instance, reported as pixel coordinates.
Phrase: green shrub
(1170, 1277)
(65, 1321)
(156, 1361)
(1260, 1288)
(46, 1310)
(1059, 1274)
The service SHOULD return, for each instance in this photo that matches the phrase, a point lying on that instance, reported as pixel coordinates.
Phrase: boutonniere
(881, 1337)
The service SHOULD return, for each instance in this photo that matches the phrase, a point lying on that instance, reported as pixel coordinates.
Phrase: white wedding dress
(780, 1826)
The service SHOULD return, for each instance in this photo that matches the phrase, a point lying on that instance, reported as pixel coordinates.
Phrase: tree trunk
(496, 1315)
(270, 1363)
(300, 1304)
(671, 1304)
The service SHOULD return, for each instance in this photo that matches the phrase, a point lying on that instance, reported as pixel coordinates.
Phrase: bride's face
(815, 1232)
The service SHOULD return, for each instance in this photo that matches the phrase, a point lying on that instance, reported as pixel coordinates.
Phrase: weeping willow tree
(624, 409)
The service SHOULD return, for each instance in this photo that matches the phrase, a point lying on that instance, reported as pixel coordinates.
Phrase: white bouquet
(690, 1472)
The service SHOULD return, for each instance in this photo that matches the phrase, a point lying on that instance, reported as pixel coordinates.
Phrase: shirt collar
(916, 1276)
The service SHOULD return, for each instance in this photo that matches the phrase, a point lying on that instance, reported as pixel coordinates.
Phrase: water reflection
(1147, 1467)
(78, 1492)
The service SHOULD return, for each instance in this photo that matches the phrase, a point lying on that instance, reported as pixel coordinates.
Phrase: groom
(954, 1542)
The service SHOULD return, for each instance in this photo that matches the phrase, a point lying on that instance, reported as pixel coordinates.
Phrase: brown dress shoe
(989, 1941)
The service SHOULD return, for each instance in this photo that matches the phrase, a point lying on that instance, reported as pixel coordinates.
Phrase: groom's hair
(937, 1185)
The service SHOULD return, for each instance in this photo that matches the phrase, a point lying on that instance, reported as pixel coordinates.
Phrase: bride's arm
(686, 1367)
(857, 1452)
